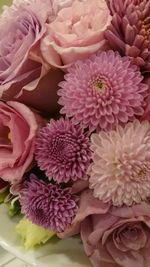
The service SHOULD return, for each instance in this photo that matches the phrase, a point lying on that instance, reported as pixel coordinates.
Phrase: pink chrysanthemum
(63, 151)
(120, 171)
(129, 32)
(48, 205)
(103, 91)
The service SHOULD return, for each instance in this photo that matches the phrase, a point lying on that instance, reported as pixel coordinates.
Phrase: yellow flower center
(100, 85)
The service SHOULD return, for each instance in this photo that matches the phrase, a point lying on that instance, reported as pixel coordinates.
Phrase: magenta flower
(120, 171)
(48, 205)
(63, 151)
(129, 32)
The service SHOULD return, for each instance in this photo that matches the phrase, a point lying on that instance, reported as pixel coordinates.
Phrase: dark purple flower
(63, 151)
(48, 205)
(129, 32)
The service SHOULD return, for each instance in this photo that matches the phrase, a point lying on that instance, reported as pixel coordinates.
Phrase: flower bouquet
(75, 127)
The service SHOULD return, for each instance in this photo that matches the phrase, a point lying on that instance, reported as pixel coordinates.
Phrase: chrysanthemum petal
(120, 171)
(103, 91)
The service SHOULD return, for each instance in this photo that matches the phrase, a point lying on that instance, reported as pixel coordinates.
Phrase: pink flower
(18, 127)
(129, 30)
(62, 150)
(120, 171)
(21, 28)
(48, 205)
(113, 236)
(103, 91)
(76, 33)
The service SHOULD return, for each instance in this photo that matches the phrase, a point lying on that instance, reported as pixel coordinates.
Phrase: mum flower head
(48, 205)
(103, 91)
(120, 171)
(129, 32)
(62, 150)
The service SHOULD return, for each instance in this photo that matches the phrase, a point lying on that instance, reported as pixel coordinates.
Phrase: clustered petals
(76, 32)
(87, 172)
(129, 32)
(63, 151)
(48, 205)
(103, 91)
(120, 171)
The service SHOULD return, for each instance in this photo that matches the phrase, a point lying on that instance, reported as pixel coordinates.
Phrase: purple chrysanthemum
(129, 32)
(103, 91)
(62, 150)
(48, 205)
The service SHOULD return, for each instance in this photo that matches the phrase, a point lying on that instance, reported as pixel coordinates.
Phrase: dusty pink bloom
(120, 171)
(21, 28)
(21, 65)
(76, 33)
(103, 91)
(18, 127)
(129, 32)
(112, 236)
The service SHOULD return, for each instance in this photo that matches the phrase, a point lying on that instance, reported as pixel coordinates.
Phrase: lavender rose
(113, 236)
(21, 27)
(18, 128)
(21, 65)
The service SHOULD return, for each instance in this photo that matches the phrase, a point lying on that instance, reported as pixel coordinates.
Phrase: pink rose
(21, 28)
(18, 127)
(21, 64)
(76, 33)
(113, 236)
